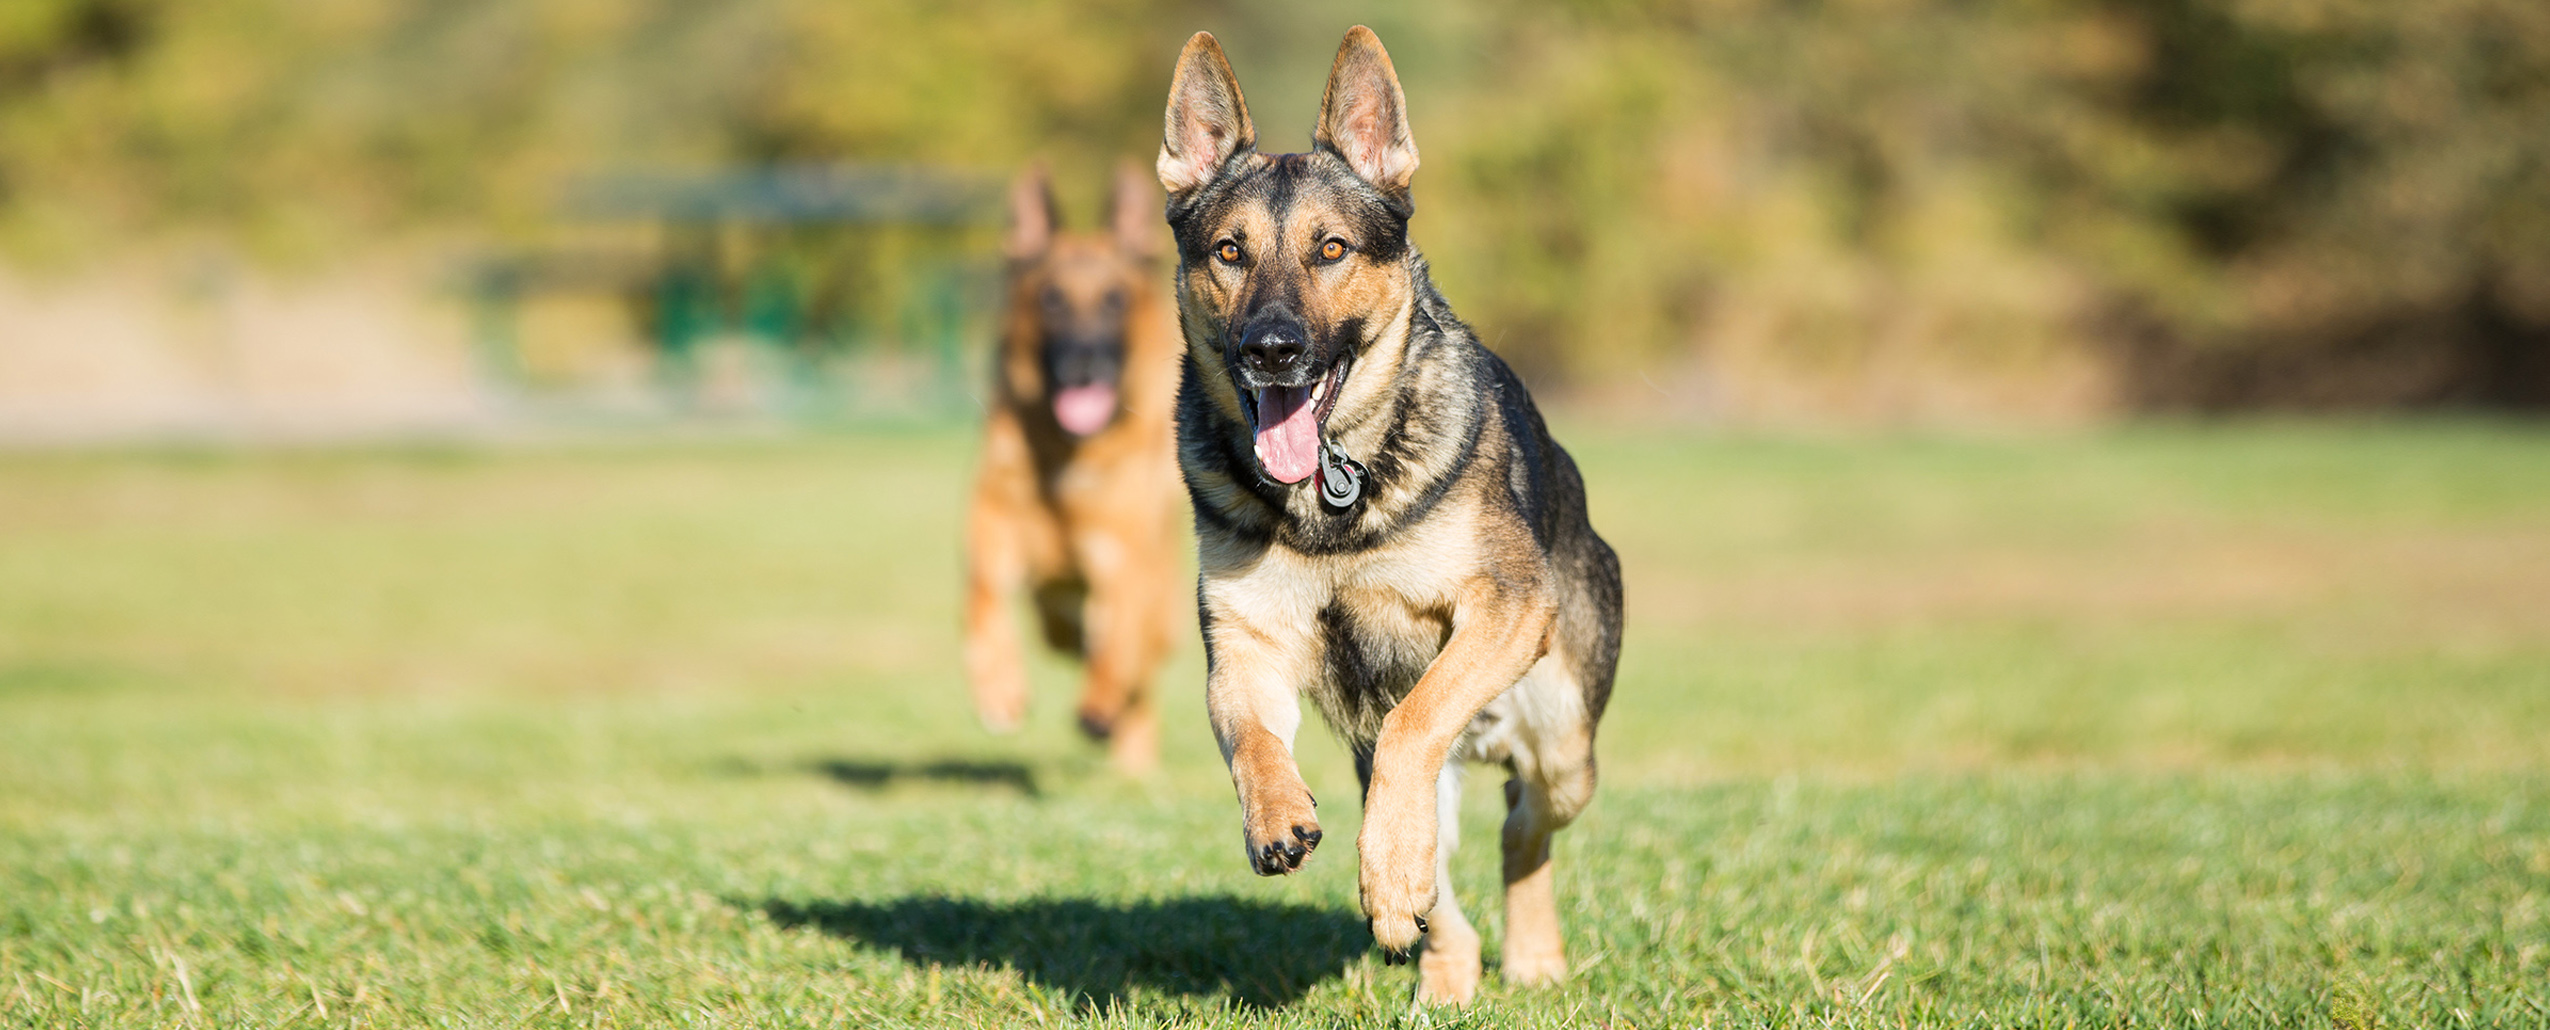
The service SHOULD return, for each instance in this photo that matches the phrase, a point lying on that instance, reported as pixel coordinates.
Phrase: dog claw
(1276, 858)
(1279, 831)
(1403, 934)
(1397, 957)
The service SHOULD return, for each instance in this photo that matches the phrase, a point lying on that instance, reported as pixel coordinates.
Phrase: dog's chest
(1379, 639)
(1372, 644)
(1371, 625)
(1360, 628)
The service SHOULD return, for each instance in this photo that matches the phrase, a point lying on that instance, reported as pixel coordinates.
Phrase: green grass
(2168, 726)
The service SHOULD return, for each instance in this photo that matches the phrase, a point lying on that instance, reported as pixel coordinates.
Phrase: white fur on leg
(1448, 971)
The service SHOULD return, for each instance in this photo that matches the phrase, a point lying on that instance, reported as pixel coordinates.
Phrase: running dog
(1383, 523)
(1076, 500)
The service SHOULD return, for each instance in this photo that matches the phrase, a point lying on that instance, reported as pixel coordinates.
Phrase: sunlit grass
(2168, 726)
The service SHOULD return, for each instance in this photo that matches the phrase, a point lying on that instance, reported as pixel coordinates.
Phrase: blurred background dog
(1077, 496)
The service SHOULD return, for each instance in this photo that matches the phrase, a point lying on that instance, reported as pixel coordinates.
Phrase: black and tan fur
(1085, 524)
(1462, 607)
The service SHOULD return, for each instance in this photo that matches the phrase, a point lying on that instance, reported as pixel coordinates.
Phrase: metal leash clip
(1341, 479)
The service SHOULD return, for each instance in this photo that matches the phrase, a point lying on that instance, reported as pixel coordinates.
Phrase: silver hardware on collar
(1341, 479)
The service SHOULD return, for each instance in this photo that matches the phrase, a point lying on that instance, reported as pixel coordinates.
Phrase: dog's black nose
(1079, 360)
(1271, 347)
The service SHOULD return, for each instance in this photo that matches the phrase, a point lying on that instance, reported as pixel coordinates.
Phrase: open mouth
(1287, 422)
(1085, 409)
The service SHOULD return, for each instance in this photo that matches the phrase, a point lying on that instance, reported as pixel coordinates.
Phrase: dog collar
(1341, 479)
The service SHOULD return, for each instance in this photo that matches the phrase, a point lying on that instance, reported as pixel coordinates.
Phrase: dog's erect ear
(1207, 122)
(1133, 211)
(1363, 118)
(1031, 215)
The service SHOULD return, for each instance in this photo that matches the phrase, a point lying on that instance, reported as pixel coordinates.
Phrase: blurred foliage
(2233, 202)
(2259, 201)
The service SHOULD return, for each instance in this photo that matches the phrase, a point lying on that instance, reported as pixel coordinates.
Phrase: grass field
(2166, 726)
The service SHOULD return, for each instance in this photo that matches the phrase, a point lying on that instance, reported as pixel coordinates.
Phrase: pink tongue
(1287, 433)
(1083, 410)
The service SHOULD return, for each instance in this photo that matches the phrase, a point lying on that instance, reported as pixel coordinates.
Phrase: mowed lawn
(2182, 726)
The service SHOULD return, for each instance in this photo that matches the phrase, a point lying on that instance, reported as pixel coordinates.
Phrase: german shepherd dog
(1383, 522)
(1077, 497)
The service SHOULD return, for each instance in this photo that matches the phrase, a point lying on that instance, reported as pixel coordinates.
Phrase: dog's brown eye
(1332, 250)
(1229, 252)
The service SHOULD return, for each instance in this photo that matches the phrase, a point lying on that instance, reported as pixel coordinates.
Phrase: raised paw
(1002, 708)
(1402, 955)
(1398, 886)
(1393, 916)
(1283, 855)
(1000, 720)
(1281, 834)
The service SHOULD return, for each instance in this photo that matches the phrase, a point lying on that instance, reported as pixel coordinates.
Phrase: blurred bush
(1891, 208)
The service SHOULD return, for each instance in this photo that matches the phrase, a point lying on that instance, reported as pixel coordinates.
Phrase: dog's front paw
(1281, 832)
(1000, 692)
(1001, 706)
(1398, 890)
(1097, 724)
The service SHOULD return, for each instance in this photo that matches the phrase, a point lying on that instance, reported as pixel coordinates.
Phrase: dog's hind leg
(1533, 952)
(1553, 766)
(1448, 971)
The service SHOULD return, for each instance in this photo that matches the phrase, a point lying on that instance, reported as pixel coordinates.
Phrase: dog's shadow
(1260, 954)
(870, 775)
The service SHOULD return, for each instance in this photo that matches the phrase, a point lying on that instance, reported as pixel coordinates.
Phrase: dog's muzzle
(1082, 372)
(1274, 351)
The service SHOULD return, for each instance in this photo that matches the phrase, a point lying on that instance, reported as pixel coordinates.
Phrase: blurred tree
(1887, 207)
(2252, 202)
(2372, 183)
